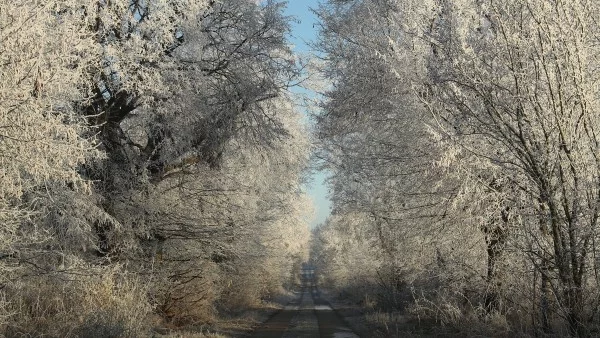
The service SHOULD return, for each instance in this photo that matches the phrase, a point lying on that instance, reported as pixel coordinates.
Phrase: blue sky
(304, 31)
(306, 28)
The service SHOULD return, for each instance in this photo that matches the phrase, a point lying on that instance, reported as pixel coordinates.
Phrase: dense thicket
(462, 137)
(150, 163)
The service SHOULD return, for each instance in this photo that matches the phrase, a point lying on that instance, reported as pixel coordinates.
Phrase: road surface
(308, 316)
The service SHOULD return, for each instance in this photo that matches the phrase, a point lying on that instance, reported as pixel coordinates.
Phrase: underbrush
(96, 301)
(461, 317)
(425, 308)
(447, 312)
(185, 304)
(105, 303)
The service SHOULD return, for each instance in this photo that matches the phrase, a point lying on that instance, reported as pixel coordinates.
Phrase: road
(308, 316)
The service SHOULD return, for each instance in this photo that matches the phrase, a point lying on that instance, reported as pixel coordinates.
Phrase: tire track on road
(309, 316)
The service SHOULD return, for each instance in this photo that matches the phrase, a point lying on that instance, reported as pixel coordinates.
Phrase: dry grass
(109, 303)
(190, 334)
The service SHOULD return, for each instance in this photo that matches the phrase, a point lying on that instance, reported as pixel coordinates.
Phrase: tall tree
(139, 141)
(515, 83)
(44, 142)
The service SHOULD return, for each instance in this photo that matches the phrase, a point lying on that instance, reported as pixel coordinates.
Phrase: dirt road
(308, 316)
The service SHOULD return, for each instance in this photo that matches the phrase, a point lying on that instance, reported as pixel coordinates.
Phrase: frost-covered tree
(44, 140)
(239, 226)
(139, 139)
(514, 85)
(374, 137)
(511, 92)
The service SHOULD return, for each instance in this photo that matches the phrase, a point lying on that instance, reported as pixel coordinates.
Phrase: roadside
(307, 312)
(376, 323)
(240, 325)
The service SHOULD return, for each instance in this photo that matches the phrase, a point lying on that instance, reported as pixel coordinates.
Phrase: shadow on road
(308, 316)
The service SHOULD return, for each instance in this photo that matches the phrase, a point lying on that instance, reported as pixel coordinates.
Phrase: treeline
(463, 141)
(150, 163)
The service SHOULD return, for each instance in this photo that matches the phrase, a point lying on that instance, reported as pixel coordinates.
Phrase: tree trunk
(545, 296)
(495, 241)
